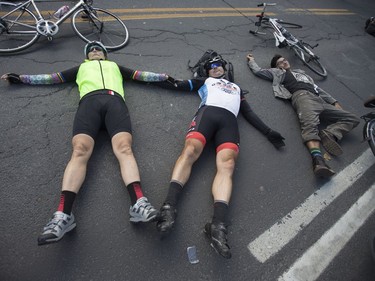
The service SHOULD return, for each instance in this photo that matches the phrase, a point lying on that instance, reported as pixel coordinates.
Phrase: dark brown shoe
(330, 144)
(321, 169)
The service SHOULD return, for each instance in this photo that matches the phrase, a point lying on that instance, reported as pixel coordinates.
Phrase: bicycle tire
(102, 26)
(304, 53)
(16, 31)
(369, 134)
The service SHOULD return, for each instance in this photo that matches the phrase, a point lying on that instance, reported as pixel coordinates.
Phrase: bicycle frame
(277, 27)
(27, 4)
(279, 37)
(283, 38)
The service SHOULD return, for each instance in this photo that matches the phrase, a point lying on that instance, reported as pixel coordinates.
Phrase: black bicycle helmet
(215, 59)
(95, 43)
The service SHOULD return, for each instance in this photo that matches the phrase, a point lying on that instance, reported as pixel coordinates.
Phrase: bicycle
(369, 127)
(284, 38)
(21, 27)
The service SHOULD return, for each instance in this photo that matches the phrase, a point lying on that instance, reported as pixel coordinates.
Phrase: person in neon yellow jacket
(102, 102)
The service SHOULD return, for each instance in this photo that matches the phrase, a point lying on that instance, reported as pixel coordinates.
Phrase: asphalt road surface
(284, 223)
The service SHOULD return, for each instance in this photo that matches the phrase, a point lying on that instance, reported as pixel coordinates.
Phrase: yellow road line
(187, 15)
(153, 10)
(169, 13)
(321, 11)
(317, 10)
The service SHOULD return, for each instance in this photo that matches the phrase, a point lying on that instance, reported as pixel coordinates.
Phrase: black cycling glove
(172, 81)
(14, 78)
(275, 138)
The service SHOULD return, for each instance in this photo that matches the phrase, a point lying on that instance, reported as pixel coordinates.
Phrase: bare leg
(74, 176)
(313, 144)
(181, 173)
(122, 147)
(216, 231)
(75, 171)
(222, 185)
(191, 152)
(141, 210)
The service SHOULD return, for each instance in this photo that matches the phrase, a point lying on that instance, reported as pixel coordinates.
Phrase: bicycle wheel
(100, 25)
(17, 28)
(304, 53)
(369, 134)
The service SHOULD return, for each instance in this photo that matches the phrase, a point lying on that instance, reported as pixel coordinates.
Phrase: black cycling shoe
(166, 218)
(217, 233)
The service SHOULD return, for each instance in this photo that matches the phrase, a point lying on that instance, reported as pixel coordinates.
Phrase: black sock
(66, 202)
(174, 191)
(135, 191)
(220, 212)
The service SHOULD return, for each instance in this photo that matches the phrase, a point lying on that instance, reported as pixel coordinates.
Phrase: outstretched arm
(142, 76)
(42, 79)
(273, 136)
(183, 85)
(265, 74)
(147, 76)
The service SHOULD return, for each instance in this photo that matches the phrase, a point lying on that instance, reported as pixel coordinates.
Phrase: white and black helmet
(92, 44)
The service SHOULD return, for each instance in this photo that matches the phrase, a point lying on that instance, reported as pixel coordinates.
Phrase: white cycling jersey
(221, 93)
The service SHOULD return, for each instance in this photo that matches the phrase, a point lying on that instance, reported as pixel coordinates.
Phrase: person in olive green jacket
(102, 103)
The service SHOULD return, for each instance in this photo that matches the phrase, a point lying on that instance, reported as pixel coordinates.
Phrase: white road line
(283, 231)
(315, 260)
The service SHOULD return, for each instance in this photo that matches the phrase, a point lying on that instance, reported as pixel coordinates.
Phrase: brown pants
(311, 109)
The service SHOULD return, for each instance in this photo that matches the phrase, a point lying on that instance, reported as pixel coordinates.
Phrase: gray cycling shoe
(142, 211)
(56, 228)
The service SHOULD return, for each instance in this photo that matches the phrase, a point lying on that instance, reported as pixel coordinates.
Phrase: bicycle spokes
(17, 28)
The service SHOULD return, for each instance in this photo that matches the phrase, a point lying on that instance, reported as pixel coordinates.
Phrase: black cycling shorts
(219, 124)
(102, 111)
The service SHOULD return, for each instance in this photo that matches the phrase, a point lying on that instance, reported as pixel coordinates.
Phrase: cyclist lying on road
(216, 120)
(102, 101)
(312, 105)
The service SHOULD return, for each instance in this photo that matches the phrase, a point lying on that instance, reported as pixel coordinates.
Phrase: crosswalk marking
(283, 231)
(316, 259)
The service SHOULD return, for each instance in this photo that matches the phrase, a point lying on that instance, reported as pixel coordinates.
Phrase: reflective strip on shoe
(56, 228)
(142, 211)
(167, 218)
(218, 239)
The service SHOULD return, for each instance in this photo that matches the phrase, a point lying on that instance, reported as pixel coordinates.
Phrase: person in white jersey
(216, 120)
